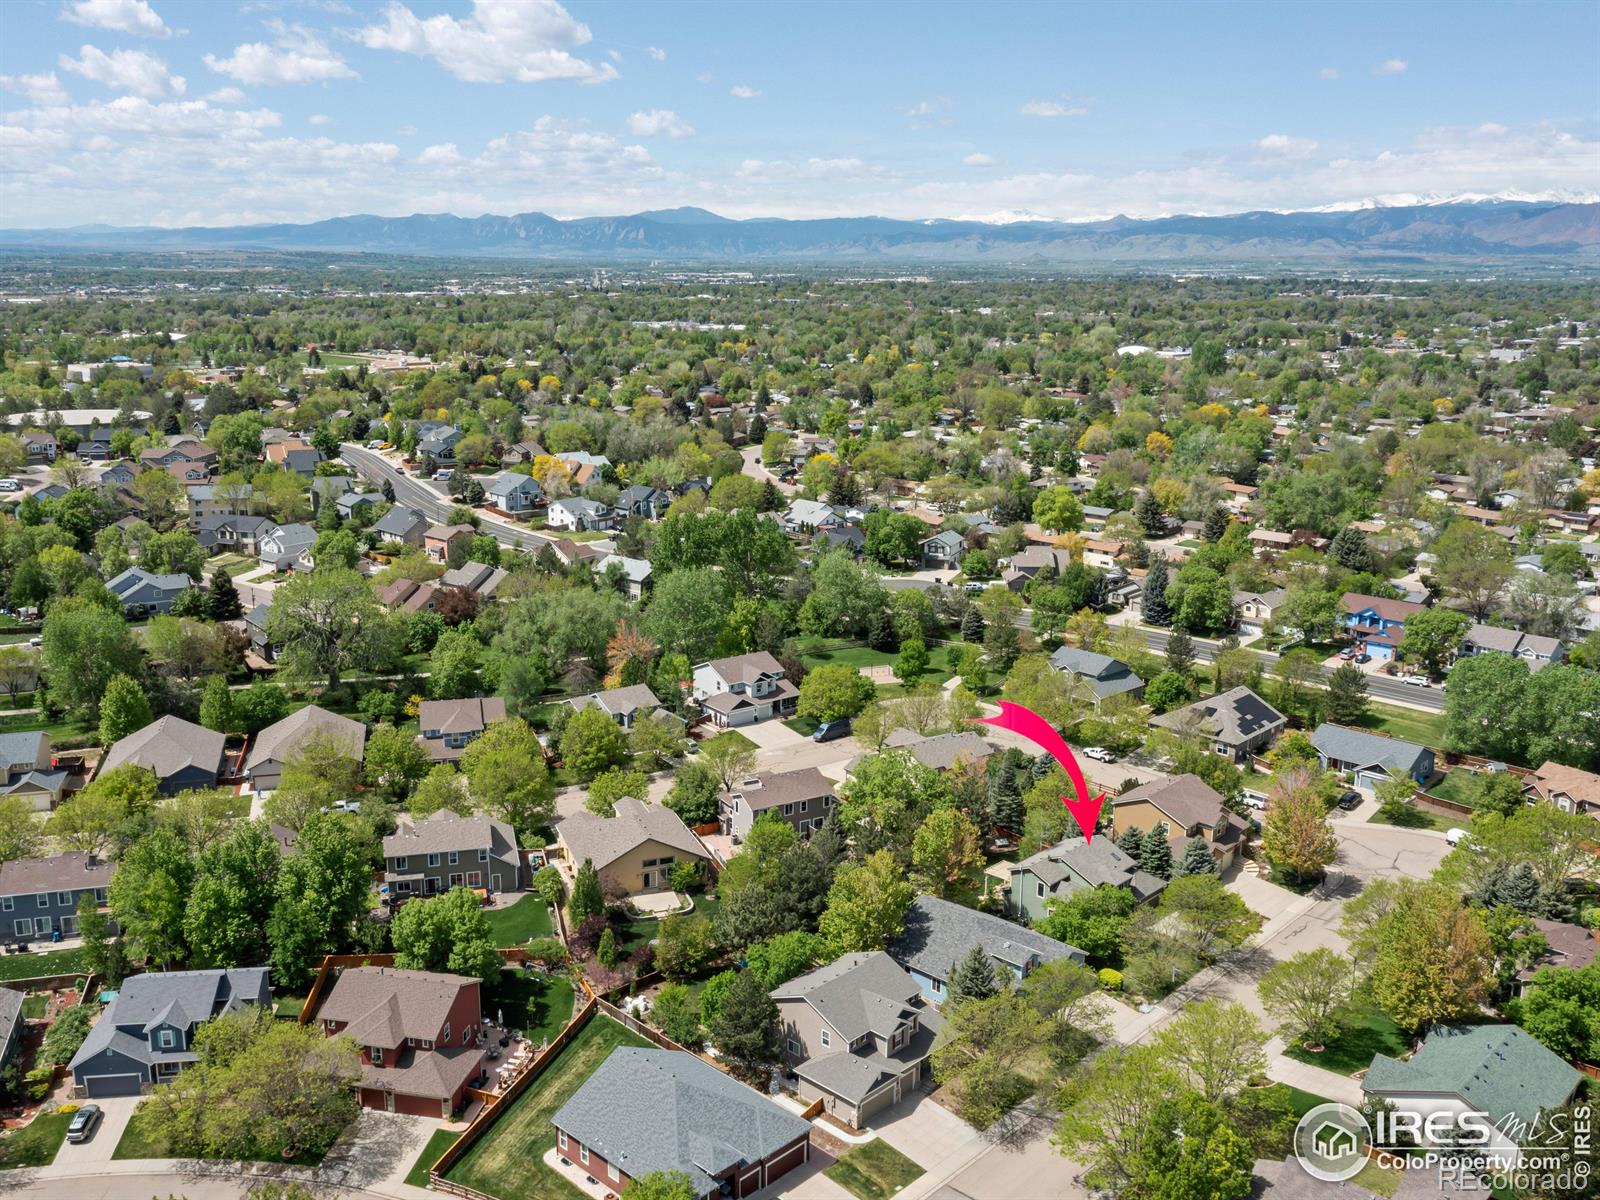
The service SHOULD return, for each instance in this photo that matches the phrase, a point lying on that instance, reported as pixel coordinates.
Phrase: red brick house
(418, 1033)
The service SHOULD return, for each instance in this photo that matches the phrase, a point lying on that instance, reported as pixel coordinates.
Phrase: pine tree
(607, 952)
(1155, 856)
(972, 978)
(1040, 767)
(388, 491)
(1349, 549)
(222, 599)
(586, 899)
(1216, 524)
(1153, 601)
(1347, 694)
(1196, 859)
(1147, 511)
(1005, 799)
(972, 625)
(1180, 652)
(1131, 842)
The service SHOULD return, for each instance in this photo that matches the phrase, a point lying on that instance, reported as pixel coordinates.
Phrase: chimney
(89, 862)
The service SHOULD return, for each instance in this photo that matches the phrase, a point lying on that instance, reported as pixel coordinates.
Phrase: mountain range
(1465, 230)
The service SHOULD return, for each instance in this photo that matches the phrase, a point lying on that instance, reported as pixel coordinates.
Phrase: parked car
(1416, 680)
(974, 585)
(444, 475)
(1350, 800)
(1099, 754)
(84, 1123)
(1347, 653)
(1363, 657)
(1454, 836)
(830, 730)
(375, 444)
(10, 485)
(1254, 799)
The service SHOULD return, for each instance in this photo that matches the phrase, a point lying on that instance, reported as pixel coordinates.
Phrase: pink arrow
(1036, 729)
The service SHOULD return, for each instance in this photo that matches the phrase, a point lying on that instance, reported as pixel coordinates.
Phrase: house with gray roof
(579, 513)
(642, 500)
(221, 533)
(857, 1034)
(1237, 723)
(285, 547)
(939, 751)
(1370, 758)
(646, 1110)
(624, 705)
(943, 550)
(448, 726)
(803, 798)
(1500, 1071)
(744, 689)
(27, 769)
(478, 578)
(1074, 864)
(635, 849)
(635, 574)
(10, 1022)
(278, 742)
(513, 492)
(1189, 808)
(353, 506)
(938, 933)
(1255, 609)
(39, 896)
(141, 592)
(446, 850)
(1106, 676)
(404, 525)
(145, 1035)
(1491, 639)
(438, 442)
(181, 754)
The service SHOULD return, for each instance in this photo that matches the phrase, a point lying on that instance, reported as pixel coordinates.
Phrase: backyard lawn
(635, 933)
(508, 1161)
(815, 652)
(874, 1171)
(442, 1138)
(528, 918)
(1424, 728)
(1461, 787)
(36, 1144)
(1370, 1032)
(49, 962)
(234, 565)
(539, 1005)
(34, 1006)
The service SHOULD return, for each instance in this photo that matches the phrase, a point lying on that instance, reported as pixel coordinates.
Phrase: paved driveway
(118, 1110)
(923, 1130)
(773, 735)
(1005, 1172)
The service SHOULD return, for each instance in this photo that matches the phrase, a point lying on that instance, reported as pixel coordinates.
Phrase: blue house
(142, 592)
(939, 933)
(1377, 623)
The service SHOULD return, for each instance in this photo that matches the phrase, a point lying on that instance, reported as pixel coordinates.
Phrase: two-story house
(1237, 723)
(438, 442)
(1491, 639)
(144, 1035)
(1255, 609)
(514, 492)
(642, 500)
(143, 592)
(440, 541)
(27, 769)
(418, 1032)
(1059, 871)
(857, 1035)
(634, 850)
(803, 798)
(937, 934)
(744, 689)
(39, 896)
(944, 550)
(579, 513)
(286, 547)
(1377, 623)
(634, 575)
(404, 525)
(1189, 808)
(445, 851)
(1570, 789)
(224, 533)
(449, 725)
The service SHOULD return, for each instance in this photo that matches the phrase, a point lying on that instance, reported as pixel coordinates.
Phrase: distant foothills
(1550, 232)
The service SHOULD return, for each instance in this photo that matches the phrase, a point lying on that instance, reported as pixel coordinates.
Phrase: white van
(1454, 836)
(10, 485)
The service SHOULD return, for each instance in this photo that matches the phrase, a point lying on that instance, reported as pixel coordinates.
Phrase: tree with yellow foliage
(1157, 444)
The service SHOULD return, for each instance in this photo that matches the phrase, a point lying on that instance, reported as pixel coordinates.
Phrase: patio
(659, 904)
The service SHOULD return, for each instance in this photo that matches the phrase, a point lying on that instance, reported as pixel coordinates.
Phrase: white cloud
(1051, 108)
(43, 90)
(127, 71)
(226, 95)
(124, 16)
(614, 55)
(320, 119)
(1390, 66)
(1329, 73)
(744, 91)
(978, 160)
(659, 122)
(296, 56)
(811, 168)
(657, 53)
(444, 154)
(407, 131)
(1491, 129)
(922, 108)
(529, 41)
(1281, 145)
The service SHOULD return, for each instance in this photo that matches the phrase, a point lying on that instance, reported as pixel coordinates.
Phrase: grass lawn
(730, 735)
(1370, 1032)
(508, 1161)
(1378, 1179)
(288, 1005)
(140, 1141)
(874, 1171)
(804, 726)
(65, 733)
(528, 918)
(36, 1144)
(817, 651)
(51, 962)
(633, 934)
(539, 1005)
(442, 1138)
(234, 565)
(1300, 1102)
(34, 1006)
(1434, 821)
(1462, 787)
(1425, 728)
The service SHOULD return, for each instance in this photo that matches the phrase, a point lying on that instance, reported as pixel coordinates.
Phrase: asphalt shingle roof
(445, 831)
(1365, 749)
(179, 997)
(938, 933)
(167, 746)
(58, 873)
(1498, 1069)
(382, 1006)
(281, 739)
(603, 840)
(1096, 863)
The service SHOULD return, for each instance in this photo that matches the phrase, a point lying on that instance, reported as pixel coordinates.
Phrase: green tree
(1346, 702)
(149, 894)
(677, 1015)
(1167, 691)
(611, 786)
(222, 598)
(586, 899)
(1561, 1008)
(454, 664)
(1308, 993)
(686, 613)
(1472, 565)
(833, 691)
(1210, 919)
(746, 1028)
(694, 794)
(1349, 549)
(217, 707)
(1485, 706)
(885, 800)
(784, 957)
(1192, 1150)
(507, 776)
(912, 660)
(1217, 1046)
(1196, 859)
(1057, 510)
(90, 821)
(394, 762)
(446, 933)
(1155, 854)
(972, 977)
(327, 622)
(322, 887)
(1431, 638)
(947, 849)
(317, 774)
(1296, 836)
(1153, 605)
(84, 647)
(1434, 960)
(21, 833)
(1092, 919)
(592, 743)
(226, 913)
(866, 905)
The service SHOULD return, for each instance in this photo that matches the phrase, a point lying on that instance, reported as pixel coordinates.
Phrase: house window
(788, 810)
(6, 903)
(41, 925)
(483, 856)
(377, 1055)
(583, 1155)
(824, 1038)
(561, 1138)
(42, 899)
(433, 860)
(474, 878)
(794, 1046)
(804, 804)
(427, 1043)
(937, 986)
(1039, 886)
(64, 899)
(466, 1035)
(401, 863)
(444, 1034)
(166, 1039)
(455, 857)
(22, 928)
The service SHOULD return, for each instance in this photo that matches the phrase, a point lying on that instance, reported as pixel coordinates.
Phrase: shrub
(39, 1081)
(1110, 979)
(585, 940)
(1398, 812)
(67, 1109)
(688, 874)
(64, 1037)
(547, 949)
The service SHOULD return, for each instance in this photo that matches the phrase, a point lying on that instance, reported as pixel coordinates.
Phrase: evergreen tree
(607, 952)
(746, 1028)
(1216, 524)
(1153, 601)
(972, 625)
(1346, 700)
(1131, 842)
(881, 631)
(972, 978)
(1147, 511)
(1155, 856)
(1196, 859)
(586, 900)
(1349, 549)
(1180, 652)
(1005, 799)
(222, 600)
(388, 491)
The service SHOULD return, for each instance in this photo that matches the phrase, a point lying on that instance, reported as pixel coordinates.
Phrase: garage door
(786, 1161)
(112, 1085)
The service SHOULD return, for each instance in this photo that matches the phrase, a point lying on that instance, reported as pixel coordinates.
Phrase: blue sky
(170, 112)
